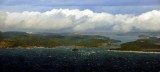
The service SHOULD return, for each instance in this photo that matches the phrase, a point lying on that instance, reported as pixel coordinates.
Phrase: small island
(151, 44)
(52, 40)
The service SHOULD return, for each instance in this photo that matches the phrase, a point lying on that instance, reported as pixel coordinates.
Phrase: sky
(80, 15)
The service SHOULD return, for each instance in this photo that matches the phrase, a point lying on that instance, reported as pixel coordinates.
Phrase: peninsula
(51, 40)
(151, 44)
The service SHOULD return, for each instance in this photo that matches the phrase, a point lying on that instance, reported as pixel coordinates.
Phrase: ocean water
(122, 38)
(84, 60)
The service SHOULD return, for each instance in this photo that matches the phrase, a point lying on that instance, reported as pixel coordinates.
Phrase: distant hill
(150, 44)
(49, 40)
(12, 34)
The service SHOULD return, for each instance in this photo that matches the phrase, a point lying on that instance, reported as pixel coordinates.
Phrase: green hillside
(150, 44)
(25, 40)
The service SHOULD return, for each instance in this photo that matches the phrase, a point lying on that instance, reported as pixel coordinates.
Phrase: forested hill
(49, 40)
(151, 44)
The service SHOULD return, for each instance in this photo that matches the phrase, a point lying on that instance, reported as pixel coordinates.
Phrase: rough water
(84, 60)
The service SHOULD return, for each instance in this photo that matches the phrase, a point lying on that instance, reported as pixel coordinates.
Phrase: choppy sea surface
(84, 60)
(65, 60)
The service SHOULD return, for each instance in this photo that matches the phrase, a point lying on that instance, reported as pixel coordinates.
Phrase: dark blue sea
(84, 60)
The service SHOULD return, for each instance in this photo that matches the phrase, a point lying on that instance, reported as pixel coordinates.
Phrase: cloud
(76, 20)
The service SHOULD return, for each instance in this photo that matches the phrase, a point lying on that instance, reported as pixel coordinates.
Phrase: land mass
(50, 40)
(151, 44)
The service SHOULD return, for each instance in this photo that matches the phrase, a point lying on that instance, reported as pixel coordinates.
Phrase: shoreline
(71, 46)
(133, 51)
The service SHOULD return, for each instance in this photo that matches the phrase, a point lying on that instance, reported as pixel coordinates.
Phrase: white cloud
(76, 20)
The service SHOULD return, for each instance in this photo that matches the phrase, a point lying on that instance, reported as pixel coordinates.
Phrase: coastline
(133, 51)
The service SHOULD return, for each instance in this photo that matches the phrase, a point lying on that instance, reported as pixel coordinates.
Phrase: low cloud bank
(75, 20)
